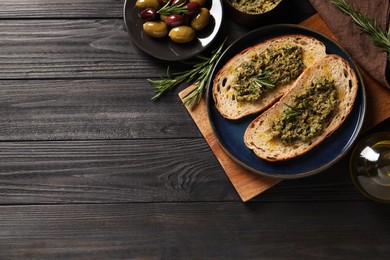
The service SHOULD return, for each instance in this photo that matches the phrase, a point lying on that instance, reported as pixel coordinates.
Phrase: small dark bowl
(254, 20)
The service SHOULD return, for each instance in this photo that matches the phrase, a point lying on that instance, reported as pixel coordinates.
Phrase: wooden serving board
(248, 184)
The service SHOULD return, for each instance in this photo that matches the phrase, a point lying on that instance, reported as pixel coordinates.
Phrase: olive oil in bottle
(370, 167)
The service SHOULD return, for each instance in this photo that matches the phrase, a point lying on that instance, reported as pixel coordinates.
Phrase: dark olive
(174, 20)
(200, 2)
(201, 20)
(148, 14)
(193, 8)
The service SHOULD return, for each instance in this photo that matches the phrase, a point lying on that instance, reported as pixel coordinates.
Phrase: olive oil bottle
(370, 167)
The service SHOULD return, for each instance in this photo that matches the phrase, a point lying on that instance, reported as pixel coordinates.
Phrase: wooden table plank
(12, 9)
(327, 230)
(71, 49)
(89, 109)
(110, 171)
(155, 170)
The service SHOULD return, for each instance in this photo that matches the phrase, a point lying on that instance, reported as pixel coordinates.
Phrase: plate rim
(361, 109)
(177, 57)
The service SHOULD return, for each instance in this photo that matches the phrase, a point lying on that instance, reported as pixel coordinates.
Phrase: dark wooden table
(91, 168)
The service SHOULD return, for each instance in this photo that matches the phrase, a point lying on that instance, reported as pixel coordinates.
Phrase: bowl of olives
(253, 13)
(173, 29)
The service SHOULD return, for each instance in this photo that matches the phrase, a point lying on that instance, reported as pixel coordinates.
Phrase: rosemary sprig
(168, 9)
(366, 24)
(263, 82)
(292, 111)
(199, 74)
(166, 84)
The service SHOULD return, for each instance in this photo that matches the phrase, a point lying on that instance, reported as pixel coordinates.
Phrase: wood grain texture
(354, 230)
(27, 9)
(89, 109)
(71, 49)
(156, 170)
(110, 171)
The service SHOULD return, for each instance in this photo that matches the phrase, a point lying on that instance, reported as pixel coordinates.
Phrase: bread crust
(312, 51)
(258, 135)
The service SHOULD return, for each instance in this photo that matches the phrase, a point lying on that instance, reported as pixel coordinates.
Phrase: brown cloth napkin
(372, 58)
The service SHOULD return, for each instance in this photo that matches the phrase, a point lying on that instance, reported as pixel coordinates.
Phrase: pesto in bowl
(254, 6)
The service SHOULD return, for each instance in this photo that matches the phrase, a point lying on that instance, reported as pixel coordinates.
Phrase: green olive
(147, 3)
(156, 29)
(182, 34)
(200, 2)
(201, 19)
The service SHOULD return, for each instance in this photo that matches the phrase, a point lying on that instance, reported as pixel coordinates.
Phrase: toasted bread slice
(260, 134)
(224, 94)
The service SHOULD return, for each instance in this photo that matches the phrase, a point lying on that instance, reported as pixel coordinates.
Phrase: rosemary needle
(366, 24)
(168, 9)
(199, 74)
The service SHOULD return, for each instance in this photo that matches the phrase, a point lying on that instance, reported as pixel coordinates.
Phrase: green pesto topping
(254, 6)
(308, 114)
(266, 71)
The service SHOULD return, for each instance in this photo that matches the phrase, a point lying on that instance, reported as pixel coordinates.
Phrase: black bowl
(253, 20)
(164, 48)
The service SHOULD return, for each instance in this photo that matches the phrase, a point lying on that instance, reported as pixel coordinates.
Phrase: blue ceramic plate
(164, 48)
(230, 134)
